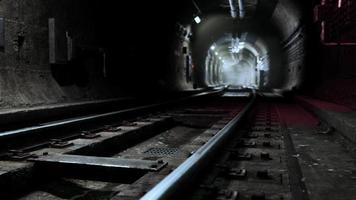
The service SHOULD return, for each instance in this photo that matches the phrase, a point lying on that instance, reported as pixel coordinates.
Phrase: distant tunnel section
(262, 49)
(238, 61)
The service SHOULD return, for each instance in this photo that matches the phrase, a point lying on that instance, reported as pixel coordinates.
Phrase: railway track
(17, 138)
(224, 147)
(255, 164)
(93, 147)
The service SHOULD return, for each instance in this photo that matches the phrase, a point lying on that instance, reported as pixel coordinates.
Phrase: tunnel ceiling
(282, 14)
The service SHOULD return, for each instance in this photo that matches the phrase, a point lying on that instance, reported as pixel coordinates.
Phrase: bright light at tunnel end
(237, 62)
(197, 19)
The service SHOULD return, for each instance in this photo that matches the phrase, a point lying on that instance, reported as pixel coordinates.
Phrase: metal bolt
(114, 129)
(191, 153)
(237, 173)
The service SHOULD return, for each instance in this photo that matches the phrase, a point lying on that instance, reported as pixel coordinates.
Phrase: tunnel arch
(253, 52)
(269, 30)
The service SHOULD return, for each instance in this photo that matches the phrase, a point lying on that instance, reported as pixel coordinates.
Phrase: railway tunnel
(179, 99)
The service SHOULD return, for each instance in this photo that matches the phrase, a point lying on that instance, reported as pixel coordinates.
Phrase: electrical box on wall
(60, 43)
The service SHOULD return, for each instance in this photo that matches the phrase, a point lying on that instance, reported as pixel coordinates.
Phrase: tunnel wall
(26, 77)
(295, 49)
(338, 75)
(331, 72)
(181, 70)
(288, 17)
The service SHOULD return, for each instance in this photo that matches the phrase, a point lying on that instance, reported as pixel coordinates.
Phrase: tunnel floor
(280, 151)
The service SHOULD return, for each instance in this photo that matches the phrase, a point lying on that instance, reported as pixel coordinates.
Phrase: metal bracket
(127, 123)
(237, 173)
(20, 155)
(113, 129)
(58, 143)
(89, 135)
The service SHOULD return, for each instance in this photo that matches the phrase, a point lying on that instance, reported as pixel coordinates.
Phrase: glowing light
(213, 47)
(339, 4)
(234, 48)
(197, 19)
(216, 53)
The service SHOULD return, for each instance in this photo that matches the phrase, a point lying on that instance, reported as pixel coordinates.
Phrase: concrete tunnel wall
(26, 77)
(138, 56)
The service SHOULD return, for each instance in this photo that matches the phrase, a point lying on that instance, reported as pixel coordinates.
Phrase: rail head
(179, 178)
(9, 137)
(71, 121)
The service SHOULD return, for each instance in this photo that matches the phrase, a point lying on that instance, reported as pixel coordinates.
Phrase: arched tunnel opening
(249, 51)
(237, 62)
(178, 99)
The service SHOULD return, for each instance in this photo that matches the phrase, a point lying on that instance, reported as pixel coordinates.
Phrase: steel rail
(175, 183)
(86, 119)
